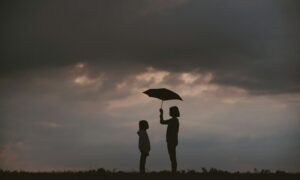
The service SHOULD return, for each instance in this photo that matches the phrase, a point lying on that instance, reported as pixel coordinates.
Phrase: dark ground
(104, 174)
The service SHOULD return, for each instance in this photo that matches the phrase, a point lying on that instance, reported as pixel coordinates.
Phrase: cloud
(255, 51)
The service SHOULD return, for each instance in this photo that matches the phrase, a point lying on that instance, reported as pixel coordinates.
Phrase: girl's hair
(174, 111)
(143, 124)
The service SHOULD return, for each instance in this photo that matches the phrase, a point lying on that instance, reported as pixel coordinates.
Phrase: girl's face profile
(174, 111)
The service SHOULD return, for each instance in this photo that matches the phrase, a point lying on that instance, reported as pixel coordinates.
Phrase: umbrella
(163, 94)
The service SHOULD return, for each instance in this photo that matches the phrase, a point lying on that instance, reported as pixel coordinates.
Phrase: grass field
(116, 175)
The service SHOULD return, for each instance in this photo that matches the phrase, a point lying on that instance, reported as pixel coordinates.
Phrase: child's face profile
(143, 125)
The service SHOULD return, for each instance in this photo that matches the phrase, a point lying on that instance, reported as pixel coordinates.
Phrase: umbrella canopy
(163, 94)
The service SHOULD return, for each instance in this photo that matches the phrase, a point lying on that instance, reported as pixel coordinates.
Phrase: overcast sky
(72, 75)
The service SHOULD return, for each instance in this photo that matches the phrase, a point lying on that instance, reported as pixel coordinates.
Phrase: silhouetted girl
(172, 134)
(144, 143)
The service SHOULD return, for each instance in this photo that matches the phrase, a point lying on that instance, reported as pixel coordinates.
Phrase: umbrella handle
(161, 104)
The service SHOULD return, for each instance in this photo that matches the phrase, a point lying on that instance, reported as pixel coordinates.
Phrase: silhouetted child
(172, 133)
(144, 143)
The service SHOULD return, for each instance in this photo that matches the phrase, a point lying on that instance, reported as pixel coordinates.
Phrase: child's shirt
(144, 143)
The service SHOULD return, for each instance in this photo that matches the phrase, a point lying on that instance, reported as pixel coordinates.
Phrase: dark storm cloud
(250, 44)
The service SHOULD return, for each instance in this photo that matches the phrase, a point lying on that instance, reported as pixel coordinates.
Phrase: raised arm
(161, 117)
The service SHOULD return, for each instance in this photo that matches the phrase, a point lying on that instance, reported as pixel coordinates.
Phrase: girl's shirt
(144, 143)
(172, 130)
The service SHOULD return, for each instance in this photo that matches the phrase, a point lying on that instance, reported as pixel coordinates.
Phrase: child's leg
(142, 162)
(172, 154)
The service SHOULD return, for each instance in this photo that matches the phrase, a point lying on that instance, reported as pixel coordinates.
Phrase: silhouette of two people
(171, 137)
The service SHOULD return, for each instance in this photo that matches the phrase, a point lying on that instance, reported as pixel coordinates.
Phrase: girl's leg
(172, 154)
(142, 162)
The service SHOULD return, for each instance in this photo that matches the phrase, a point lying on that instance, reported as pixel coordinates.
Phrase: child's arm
(162, 121)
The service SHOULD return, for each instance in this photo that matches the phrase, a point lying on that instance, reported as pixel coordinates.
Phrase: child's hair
(174, 111)
(143, 124)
